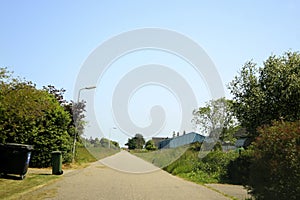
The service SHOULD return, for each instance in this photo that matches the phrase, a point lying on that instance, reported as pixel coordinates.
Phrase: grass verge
(213, 168)
(186, 163)
(10, 188)
(161, 158)
(101, 152)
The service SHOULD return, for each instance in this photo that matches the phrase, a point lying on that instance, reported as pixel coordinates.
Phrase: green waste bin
(56, 163)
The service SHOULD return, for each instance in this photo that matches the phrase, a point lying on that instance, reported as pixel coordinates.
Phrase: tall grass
(102, 152)
(84, 156)
(192, 164)
(163, 157)
(210, 169)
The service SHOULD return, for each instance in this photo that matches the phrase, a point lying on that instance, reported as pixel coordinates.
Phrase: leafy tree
(58, 93)
(32, 116)
(131, 143)
(115, 145)
(104, 142)
(271, 92)
(214, 118)
(150, 145)
(137, 142)
(76, 110)
(76, 126)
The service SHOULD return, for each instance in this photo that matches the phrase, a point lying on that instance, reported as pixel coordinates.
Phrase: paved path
(101, 182)
(237, 191)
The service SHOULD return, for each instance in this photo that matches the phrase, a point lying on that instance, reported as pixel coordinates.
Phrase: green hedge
(275, 169)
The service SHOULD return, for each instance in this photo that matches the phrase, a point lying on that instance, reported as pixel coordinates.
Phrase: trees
(271, 92)
(115, 145)
(150, 146)
(215, 117)
(57, 93)
(137, 142)
(32, 116)
(266, 101)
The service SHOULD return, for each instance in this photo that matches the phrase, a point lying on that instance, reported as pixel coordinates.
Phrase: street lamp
(78, 98)
(85, 88)
(109, 136)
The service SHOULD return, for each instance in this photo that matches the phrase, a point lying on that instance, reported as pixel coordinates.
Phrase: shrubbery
(212, 168)
(216, 164)
(275, 170)
(238, 169)
(269, 168)
(38, 117)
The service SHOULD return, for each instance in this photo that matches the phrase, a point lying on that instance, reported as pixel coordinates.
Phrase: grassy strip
(187, 163)
(84, 156)
(101, 152)
(10, 188)
(161, 158)
(210, 169)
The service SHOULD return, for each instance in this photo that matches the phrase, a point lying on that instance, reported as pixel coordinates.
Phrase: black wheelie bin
(15, 158)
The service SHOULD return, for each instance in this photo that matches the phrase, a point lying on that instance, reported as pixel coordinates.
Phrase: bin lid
(19, 146)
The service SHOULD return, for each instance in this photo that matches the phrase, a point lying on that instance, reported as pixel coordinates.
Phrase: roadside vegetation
(266, 103)
(11, 187)
(44, 119)
(39, 117)
(99, 148)
(213, 168)
(160, 158)
(83, 156)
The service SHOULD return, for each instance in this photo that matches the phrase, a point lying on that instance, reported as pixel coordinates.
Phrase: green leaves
(261, 96)
(271, 92)
(215, 115)
(150, 146)
(137, 142)
(33, 116)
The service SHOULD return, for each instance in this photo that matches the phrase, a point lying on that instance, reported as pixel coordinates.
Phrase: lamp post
(109, 136)
(78, 98)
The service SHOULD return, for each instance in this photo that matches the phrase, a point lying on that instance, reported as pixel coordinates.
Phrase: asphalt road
(99, 181)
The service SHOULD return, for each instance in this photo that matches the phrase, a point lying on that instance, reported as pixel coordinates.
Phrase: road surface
(99, 181)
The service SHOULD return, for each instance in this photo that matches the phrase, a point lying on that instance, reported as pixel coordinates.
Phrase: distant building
(178, 141)
(242, 137)
(157, 140)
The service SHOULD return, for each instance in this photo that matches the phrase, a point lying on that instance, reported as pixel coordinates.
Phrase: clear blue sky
(47, 41)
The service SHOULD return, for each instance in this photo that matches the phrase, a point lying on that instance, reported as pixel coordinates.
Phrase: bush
(275, 171)
(150, 146)
(210, 169)
(216, 164)
(238, 170)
